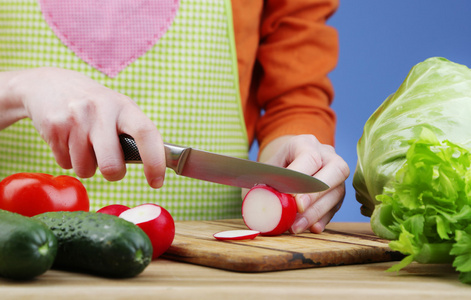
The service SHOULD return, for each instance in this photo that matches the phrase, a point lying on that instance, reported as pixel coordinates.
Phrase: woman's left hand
(304, 153)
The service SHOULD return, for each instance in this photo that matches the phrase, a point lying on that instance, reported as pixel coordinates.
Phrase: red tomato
(30, 194)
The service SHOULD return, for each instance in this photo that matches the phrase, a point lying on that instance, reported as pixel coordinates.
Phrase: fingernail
(317, 228)
(304, 202)
(157, 182)
(299, 225)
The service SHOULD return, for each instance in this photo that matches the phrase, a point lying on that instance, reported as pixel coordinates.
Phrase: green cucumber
(98, 244)
(27, 247)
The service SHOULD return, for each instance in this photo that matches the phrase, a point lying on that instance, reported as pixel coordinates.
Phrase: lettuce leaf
(429, 203)
(413, 174)
(462, 250)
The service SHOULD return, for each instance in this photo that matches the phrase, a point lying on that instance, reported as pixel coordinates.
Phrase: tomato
(30, 194)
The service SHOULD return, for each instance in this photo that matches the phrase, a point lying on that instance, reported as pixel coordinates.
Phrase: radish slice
(142, 213)
(156, 222)
(266, 210)
(236, 235)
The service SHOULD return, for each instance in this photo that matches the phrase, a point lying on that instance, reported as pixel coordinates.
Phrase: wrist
(12, 108)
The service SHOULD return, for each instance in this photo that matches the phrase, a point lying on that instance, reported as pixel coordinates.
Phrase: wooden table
(165, 279)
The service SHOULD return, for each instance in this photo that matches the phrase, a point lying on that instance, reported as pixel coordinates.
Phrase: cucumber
(98, 244)
(27, 247)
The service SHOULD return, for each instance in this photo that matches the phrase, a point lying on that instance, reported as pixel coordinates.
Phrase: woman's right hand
(81, 121)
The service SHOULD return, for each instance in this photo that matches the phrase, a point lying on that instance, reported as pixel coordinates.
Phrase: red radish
(266, 210)
(236, 235)
(113, 209)
(156, 222)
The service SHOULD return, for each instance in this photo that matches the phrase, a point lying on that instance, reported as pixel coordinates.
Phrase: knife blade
(227, 170)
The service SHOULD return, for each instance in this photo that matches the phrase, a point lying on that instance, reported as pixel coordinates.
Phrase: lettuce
(436, 95)
(413, 174)
(429, 204)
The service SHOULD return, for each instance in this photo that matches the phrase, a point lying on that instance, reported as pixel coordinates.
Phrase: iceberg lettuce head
(413, 175)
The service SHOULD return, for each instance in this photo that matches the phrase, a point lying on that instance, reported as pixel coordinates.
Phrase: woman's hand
(81, 120)
(304, 153)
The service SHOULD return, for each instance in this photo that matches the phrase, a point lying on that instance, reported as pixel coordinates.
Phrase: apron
(176, 59)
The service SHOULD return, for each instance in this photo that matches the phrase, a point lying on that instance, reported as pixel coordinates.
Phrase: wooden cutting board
(339, 244)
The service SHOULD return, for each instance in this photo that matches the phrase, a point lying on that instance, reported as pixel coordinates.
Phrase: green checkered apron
(187, 83)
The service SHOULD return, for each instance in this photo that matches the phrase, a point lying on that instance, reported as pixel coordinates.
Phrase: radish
(236, 235)
(266, 210)
(113, 209)
(156, 222)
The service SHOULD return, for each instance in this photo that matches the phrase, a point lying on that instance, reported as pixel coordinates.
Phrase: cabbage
(413, 174)
(436, 95)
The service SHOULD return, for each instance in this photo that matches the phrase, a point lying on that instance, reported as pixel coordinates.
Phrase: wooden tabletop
(165, 279)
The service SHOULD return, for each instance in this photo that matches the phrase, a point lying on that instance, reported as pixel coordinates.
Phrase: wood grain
(194, 243)
(165, 279)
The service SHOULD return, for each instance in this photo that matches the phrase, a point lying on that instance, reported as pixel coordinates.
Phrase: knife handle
(175, 156)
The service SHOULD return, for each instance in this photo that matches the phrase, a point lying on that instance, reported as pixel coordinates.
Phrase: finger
(318, 209)
(81, 153)
(302, 153)
(334, 172)
(60, 150)
(109, 155)
(153, 157)
(319, 226)
(149, 142)
(307, 162)
(152, 152)
(55, 132)
(303, 201)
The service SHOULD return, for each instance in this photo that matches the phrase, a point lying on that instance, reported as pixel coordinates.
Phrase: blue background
(380, 41)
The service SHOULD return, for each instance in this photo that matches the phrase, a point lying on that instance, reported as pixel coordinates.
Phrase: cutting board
(339, 244)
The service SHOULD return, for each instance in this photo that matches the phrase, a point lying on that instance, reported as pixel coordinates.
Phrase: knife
(207, 166)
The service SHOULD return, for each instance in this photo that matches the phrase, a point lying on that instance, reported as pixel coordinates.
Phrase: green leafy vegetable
(436, 95)
(413, 175)
(429, 203)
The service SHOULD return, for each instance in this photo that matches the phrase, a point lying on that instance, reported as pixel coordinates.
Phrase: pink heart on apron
(109, 34)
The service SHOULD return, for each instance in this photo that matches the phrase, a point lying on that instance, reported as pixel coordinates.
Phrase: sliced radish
(113, 209)
(156, 222)
(266, 210)
(236, 235)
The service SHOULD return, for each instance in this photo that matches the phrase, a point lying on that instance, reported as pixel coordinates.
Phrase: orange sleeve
(289, 62)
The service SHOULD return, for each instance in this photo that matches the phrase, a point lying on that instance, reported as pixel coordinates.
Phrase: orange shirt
(285, 52)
